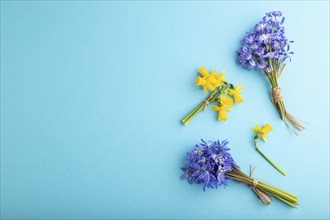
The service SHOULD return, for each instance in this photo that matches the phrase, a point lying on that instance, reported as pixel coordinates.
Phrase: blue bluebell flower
(266, 42)
(208, 164)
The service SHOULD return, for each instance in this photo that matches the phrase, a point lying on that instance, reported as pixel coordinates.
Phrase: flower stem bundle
(219, 89)
(263, 190)
(277, 98)
(211, 165)
(266, 48)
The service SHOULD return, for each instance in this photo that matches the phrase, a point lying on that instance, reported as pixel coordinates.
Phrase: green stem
(285, 197)
(211, 98)
(266, 158)
(272, 77)
(290, 121)
(272, 191)
(223, 88)
(189, 117)
(247, 179)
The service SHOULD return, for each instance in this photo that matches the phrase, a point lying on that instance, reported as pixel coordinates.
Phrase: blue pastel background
(92, 94)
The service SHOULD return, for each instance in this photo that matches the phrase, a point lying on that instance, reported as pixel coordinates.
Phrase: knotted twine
(261, 195)
(276, 96)
(276, 93)
(207, 102)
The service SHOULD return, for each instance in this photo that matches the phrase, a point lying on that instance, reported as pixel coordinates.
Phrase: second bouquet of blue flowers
(266, 49)
(211, 165)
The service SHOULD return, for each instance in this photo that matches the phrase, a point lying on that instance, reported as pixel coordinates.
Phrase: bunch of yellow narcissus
(220, 91)
(211, 81)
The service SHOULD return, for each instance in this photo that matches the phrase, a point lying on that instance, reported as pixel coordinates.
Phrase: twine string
(277, 94)
(261, 195)
(207, 102)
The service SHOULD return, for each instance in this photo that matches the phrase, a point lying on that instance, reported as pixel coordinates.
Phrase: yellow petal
(205, 89)
(210, 86)
(229, 108)
(212, 80)
(267, 128)
(221, 77)
(224, 107)
(238, 99)
(200, 81)
(256, 129)
(236, 94)
(226, 101)
(222, 115)
(231, 92)
(203, 71)
(214, 72)
(218, 79)
(239, 89)
(215, 108)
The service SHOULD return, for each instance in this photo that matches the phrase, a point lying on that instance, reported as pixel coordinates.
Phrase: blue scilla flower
(264, 38)
(274, 14)
(208, 164)
(265, 43)
(261, 65)
(276, 45)
(261, 27)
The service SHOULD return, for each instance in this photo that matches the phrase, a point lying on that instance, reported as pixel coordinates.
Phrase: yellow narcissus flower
(203, 72)
(209, 81)
(262, 132)
(212, 79)
(204, 81)
(226, 101)
(204, 84)
(236, 94)
(220, 79)
(222, 116)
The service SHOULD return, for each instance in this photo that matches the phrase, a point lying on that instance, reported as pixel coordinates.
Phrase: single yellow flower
(220, 79)
(201, 82)
(204, 80)
(203, 72)
(236, 94)
(226, 101)
(262, 132)
(213, 79)
(222, 116)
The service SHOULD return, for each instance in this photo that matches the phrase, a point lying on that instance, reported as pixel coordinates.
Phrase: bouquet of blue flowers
(211, 165)
(266, 49)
